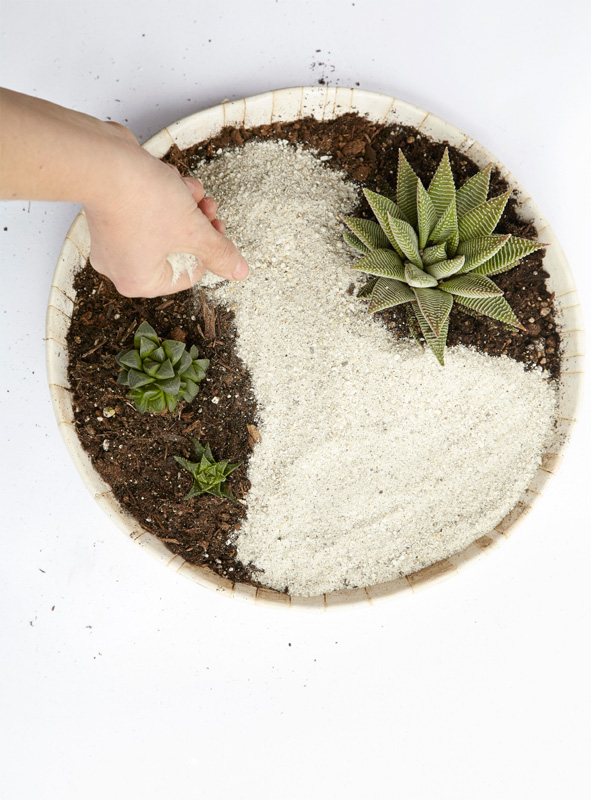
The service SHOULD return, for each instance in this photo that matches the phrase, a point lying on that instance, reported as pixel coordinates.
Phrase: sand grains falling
(374, 461)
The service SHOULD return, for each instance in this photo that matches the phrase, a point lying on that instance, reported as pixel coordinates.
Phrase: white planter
(283, 106)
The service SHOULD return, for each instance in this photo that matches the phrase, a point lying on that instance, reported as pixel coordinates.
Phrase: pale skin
(138, 209)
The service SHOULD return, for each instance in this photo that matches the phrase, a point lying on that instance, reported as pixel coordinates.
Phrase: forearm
(52, 153)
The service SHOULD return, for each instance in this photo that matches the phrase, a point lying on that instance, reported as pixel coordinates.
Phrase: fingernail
(241, 270)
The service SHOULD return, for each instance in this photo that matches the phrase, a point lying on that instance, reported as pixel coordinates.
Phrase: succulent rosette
(209, 476)
(159, 374)
(431, 248)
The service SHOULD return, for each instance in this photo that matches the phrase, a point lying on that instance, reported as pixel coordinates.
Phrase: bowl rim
(322, 102)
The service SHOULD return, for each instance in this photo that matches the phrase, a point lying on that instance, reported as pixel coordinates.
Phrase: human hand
(146, 214)
(139, 210)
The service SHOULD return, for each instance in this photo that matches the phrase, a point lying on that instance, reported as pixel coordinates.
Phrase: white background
(120, 679)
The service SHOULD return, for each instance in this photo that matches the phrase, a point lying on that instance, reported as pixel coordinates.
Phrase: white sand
(374, 460)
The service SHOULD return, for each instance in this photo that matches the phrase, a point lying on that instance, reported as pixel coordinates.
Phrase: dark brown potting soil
(134, 452)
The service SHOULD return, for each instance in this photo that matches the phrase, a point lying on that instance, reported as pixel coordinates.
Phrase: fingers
(206, 204)
(172, 220)
(216, 252)
(209, 207)
(196, 188)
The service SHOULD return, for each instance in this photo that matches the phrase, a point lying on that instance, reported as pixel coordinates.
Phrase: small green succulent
(159, 374)
(208, 475)
(436, 246)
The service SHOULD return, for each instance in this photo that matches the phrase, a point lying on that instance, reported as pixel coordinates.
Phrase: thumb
(215, 252)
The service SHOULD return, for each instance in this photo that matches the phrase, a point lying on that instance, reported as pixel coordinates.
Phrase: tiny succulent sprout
(431, 248)
(159, 374)
(209, 476)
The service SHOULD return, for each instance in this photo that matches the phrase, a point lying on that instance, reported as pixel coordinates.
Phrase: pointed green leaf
(367, 289)
(149, 394)
(184, 363)
(417, 277)
(508, 255)
(368, 232)
(174, 350)
(354, 242)
(431, 255)
(171, 386)
(471, 285)
(443, 269)
(146, 330)
(479, 250)
(200, 366)
(203, 465)
(186, 464)
(158, 405)
(130, 359)
(136, 379)
(495, 307)
(474, 191)
(426, 214)
(165, 370)
(381, 207)
(442, 189)
(388, 293)
(406, 239)
(406, 190)
(481, 270)
(123, 377)
(150, 367)
(198, 448)
(158, 355)
(483, 219)
(436, 343)
(446, 229)
(190, 374)
(435, 307)
(171, 402)
(189, 390)
(147, 346)
(381, 262)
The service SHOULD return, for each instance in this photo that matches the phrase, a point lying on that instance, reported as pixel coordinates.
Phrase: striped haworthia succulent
(209, 475)
(431, 248)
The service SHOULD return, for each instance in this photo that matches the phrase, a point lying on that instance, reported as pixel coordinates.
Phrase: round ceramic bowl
(283, 106)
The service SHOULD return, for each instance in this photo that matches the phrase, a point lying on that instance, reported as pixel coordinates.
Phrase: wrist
(116, 160)
(48, 152)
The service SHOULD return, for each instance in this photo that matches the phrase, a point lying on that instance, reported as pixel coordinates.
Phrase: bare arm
(138, 209)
